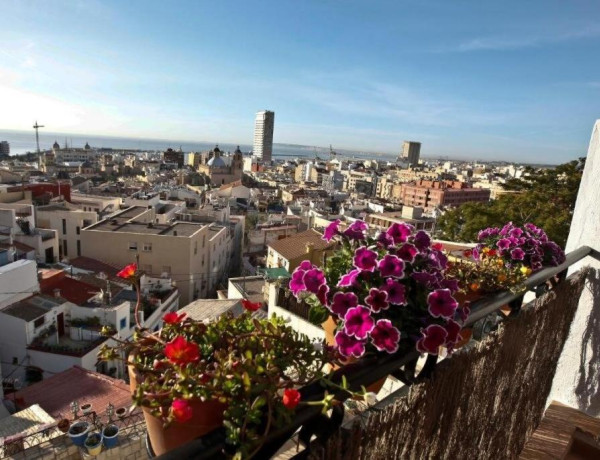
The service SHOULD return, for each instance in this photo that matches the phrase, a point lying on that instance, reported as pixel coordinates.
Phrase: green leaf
(318, 314)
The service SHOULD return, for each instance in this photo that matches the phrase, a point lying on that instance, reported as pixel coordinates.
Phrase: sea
(24, 141)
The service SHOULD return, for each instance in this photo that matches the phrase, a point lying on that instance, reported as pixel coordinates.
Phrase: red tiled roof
(97, 266)
(20, 246)
(71, 289)
(56, 393)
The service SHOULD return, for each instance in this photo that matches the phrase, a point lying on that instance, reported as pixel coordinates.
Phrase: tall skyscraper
(4, 149)
(263, 135)
(411, 151)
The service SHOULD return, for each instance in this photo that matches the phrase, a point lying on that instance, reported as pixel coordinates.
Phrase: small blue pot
(110, 441)
(78, 433)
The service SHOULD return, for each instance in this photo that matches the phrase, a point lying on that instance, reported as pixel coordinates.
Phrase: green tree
(545, 197)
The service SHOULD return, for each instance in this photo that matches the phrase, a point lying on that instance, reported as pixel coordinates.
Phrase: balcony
(74, 343)
(429, 417)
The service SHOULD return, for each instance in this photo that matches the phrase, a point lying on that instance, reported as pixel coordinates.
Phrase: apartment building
(291, 251)
(196, 255)
(409, 215)
(101, 205)
(432, 194)
(68, 220)
(263, 135)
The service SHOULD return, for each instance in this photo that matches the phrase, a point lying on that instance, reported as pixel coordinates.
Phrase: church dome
(87, 146)
(216, 149)
(55, 145)
(216, 162)
(238, 150)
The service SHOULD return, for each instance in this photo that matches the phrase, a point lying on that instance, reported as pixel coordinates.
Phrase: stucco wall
(577, 379)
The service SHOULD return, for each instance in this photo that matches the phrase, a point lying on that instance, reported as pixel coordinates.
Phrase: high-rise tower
(263, 135)
(411, 151)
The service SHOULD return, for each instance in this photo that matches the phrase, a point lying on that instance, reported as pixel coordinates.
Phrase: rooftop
(208, 309)
(32, 308)
(294, 246)
(83, 386)
(75, 291)
(250, 287)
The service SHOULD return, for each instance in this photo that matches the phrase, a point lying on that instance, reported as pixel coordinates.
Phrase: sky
(510, 80)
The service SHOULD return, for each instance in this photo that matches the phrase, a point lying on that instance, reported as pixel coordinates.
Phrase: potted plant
(78, 432)
(109, 435)
(86, 409)
(93, 443)
(63, 425)
(121, 412)
(382, 294)
(237, 372)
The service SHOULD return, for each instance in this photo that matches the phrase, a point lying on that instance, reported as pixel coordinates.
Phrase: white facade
(18, 280)
(263, 135)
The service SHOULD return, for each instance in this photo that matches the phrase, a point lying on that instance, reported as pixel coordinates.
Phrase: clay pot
(329, 327)
(207, 416)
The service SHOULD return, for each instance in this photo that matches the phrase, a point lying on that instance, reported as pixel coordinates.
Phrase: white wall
(577, 379)
(18, 280)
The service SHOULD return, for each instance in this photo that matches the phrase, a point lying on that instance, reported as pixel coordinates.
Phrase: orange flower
(128, 272)
(251, 306)
(291, 398)
(181, 410)
(474, 287)
(181, 352)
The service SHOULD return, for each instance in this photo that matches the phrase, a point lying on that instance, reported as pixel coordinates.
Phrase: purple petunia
(385, 336)
(422, 240)
(349, 346)
(385, 240)
(305, 265)
(453, 330)
(313, 279)
(377, 300)
(357, 230)
(322, 294)
(516, 232)
(433, 337)
(331, 230)
(365, 259)
(358, 322)
(517, 254)
(399, 232)
(395, 290)
(349, 278)
(426, 279)
(503, 244)
(342, 302)
(296, 282)
(441, 303)
(407, 252)
(391, 265)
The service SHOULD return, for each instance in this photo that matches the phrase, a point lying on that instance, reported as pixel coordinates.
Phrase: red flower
(468, 253)
(492, 253)
(128, 272)
(291, 398)
(181, 410)
(173, 318)
(251, 306)
(438, 246)
(180, 351)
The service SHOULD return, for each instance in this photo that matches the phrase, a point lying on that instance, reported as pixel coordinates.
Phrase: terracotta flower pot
(207, 416)
(329, 327)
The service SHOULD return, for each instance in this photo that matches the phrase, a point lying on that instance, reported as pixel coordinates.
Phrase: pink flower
(358, 322)
(313, 279)
(181, 410)
(385, 240)
(503, 244)
(408, 252)
(349, 346)
(305, 265)
(357, 230)
(441, 303)
(399, 232)
(395, 290)
(365, 259)
(322, 294)
(342, 302)
(453, 330)
(349, 278)
(422, 240)
(517, 253)
(385, 337)
(297, 281)
(173, 318)
(391, 265)
(434, 336)
(377, 300)
(331, 230)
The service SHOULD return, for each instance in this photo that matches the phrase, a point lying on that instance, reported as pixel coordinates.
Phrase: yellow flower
(500, 263)
(486, 250)
(526, 270)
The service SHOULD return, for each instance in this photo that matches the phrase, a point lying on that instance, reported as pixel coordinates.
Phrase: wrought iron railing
(49, 436)
(309, 420)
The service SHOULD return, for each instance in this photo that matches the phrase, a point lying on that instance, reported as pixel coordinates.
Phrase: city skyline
(466, 80)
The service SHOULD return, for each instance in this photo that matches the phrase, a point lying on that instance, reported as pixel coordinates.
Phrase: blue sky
(490, 80)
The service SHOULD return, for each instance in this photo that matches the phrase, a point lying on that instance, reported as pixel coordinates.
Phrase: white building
(263, 135)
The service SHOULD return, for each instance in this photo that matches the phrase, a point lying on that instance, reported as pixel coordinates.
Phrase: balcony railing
(370, 369)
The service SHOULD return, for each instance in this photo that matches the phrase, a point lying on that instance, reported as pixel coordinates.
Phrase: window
(64, 225)
(65, 252)
(123, 324)
(203, 240)
(147, 247)
(78, 229)
(133, 246)
(39, 322)
(78, 248)
(195, 247)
